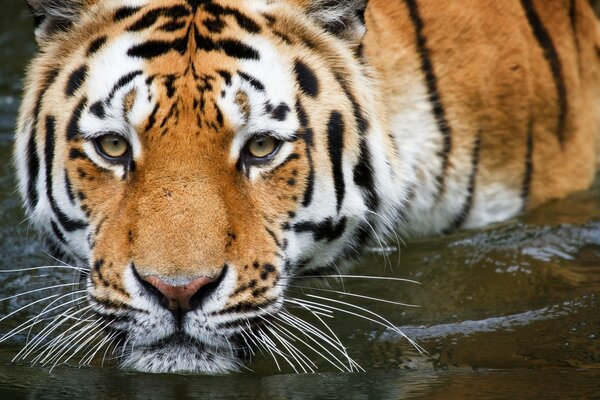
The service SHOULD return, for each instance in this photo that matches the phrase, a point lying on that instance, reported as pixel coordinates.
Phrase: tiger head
(197, 155)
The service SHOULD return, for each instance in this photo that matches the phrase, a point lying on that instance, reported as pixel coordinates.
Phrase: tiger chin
(195, 156)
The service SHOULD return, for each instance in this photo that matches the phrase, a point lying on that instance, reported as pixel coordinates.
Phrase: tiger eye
(262, 146)
(113, 146)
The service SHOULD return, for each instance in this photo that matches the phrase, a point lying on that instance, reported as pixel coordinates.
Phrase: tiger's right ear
(52, 16)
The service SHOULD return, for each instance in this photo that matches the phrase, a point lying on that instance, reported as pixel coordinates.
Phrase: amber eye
(112, 146)
(262, 146)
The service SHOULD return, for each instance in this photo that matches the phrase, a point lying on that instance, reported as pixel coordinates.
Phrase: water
(509, 311)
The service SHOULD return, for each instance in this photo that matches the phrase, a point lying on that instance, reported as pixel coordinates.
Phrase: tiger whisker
(32, 344)
(314, 312)
(34, 291)
(65, 340)
(288, 346)
(28, 305)
(115, 345)
(81, 298)
(290, 335)
(47, 347)
(360, 296)
(51, 328)
(9, 271)
(385, 322)
(303, 360)
(333, 336)
(309, 330)
(267, 349)
(295, 337)
(390, 226)
(275, 349)
(382, 278)
(30, 323)
(94, 335)
(386, 258)
(86, 335)
(87, 358)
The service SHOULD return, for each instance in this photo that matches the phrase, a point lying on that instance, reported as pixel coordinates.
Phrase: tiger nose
(178, 296)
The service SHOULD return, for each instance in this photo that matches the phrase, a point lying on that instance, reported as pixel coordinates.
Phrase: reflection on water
(509, 311)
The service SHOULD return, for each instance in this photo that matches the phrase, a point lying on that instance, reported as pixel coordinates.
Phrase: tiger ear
(343, 18)
(52, 16)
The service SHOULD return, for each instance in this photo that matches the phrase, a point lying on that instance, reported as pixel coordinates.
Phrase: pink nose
(178, 296)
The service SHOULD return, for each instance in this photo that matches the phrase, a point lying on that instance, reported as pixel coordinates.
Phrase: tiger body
(443, 115)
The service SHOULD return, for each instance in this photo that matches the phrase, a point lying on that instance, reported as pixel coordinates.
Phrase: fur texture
(444, 115)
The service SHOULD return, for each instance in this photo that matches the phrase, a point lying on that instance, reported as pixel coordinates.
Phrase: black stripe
(464, 212)
(75, 81)
(363, 176)
(125, 12)
(242, 20)
(527, 175)
(73, 126)
(150, 18)
(172, 26)
(236, 49)
(152, 117)
(432, 89)
(33, 160)
(69, 188)
(155, 48)
(246, 306)
(96, 45)
(361, 122)
(33, 166)
(307, 135)
(98, 109)
(551, 56)
(170, 85)
(255, 83)
(307, 79)
(326, 230)
(231, 47)
(65, 222)
(77, 154)
(280, 112)
(57, 233)
(225, 75)
(123, 81)
(335, 146)
(274, 237)
(573, 18)
(214, 25)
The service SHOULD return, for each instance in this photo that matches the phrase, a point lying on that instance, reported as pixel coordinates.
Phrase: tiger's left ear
(343, 18)
(52, 16)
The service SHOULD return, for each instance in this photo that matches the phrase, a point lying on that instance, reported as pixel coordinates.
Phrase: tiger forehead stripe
(75, 80)
(306, 79)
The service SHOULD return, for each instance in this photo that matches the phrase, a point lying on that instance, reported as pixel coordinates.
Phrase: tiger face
(196, 156)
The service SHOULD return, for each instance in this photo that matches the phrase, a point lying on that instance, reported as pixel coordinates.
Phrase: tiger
(195, 157)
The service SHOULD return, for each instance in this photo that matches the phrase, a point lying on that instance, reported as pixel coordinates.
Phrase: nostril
(178, 297)
(201, 295)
